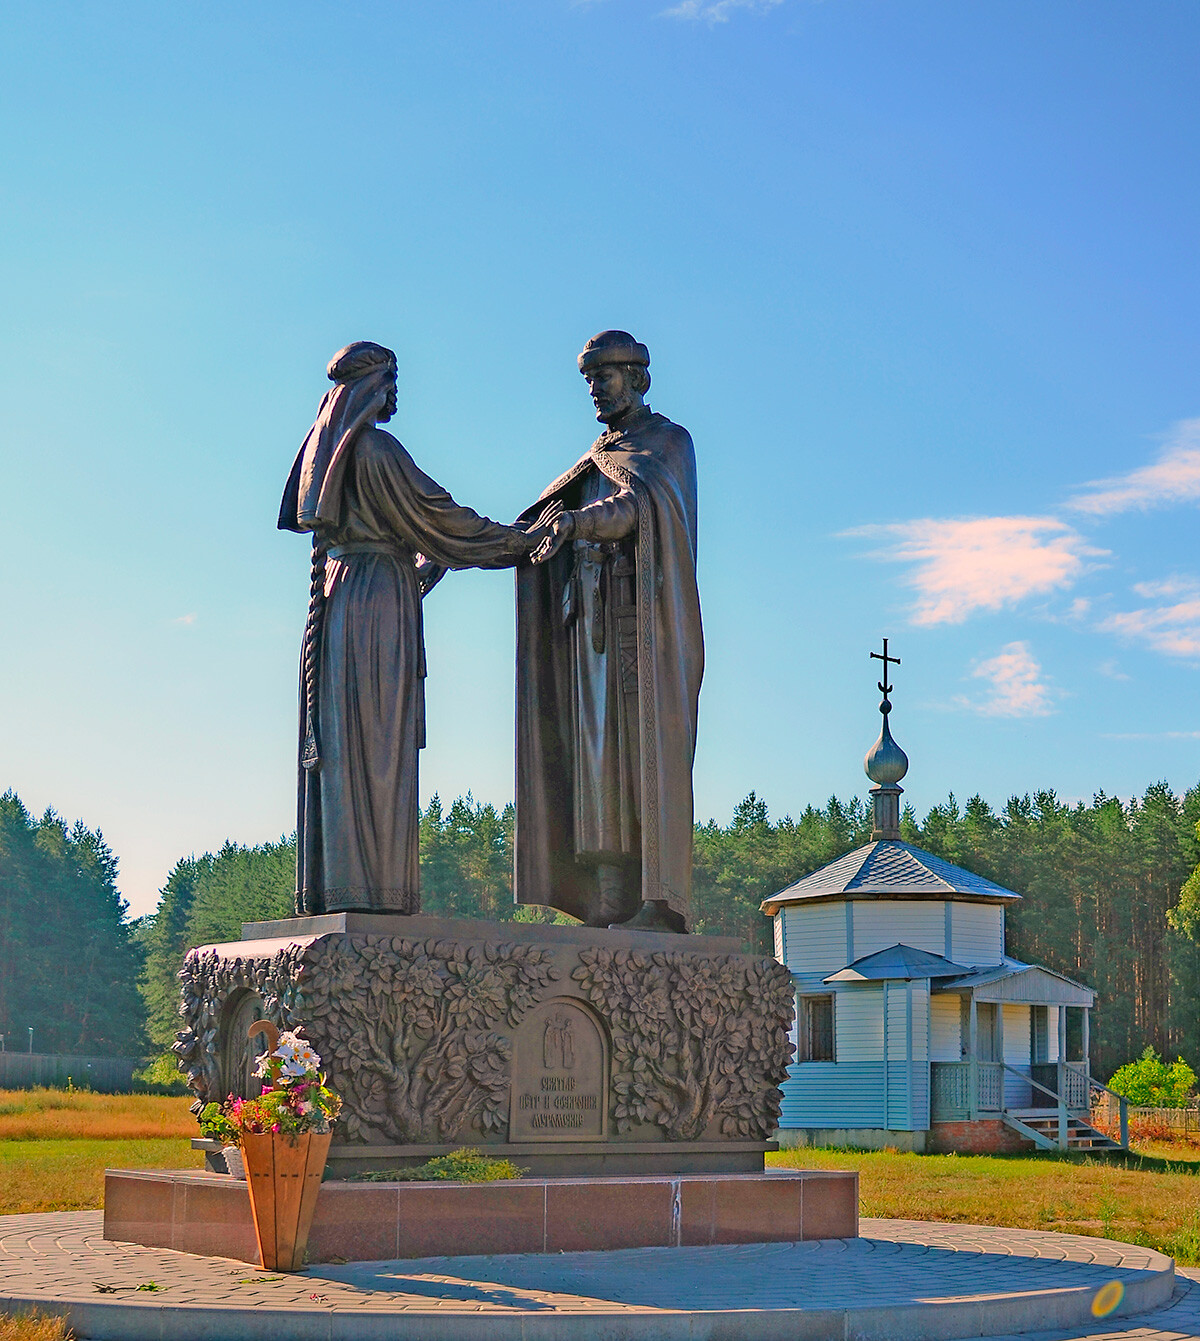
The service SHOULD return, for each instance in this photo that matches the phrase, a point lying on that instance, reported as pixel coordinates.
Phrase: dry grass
(34, 1326)
(39, 1115)
(1144, 1198)
(56, 1144)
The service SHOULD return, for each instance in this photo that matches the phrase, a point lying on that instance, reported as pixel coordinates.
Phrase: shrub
(459, 1166)
(1151, 1083)
(160, 1075)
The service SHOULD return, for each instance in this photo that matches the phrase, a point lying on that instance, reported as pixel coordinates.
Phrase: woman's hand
(561, 530)
(545, 519)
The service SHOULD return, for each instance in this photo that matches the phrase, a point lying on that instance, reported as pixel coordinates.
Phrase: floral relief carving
(696, 1039)
(409, 1031)
(208, 983)
(416, 1034)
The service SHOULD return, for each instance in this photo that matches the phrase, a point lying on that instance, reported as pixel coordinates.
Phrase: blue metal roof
(898, 961)
(890, 869)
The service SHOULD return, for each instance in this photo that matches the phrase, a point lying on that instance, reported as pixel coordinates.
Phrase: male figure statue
(610, 654)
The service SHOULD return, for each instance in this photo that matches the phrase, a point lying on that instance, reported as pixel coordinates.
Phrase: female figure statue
(383, 533)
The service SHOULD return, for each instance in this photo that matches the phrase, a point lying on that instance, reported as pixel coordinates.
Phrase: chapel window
(815, 1018)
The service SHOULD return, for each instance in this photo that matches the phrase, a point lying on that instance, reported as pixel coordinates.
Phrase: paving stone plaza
(901, 1279)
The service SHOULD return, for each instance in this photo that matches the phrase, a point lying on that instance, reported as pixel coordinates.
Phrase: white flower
(294, 1050)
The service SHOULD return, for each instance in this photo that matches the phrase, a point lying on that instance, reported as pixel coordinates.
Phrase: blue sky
(919, 277)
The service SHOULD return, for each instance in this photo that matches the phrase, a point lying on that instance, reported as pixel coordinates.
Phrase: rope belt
(365, 547)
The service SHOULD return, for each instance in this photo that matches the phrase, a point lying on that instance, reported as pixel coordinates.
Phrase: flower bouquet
(284, 1134)
(217, 1125)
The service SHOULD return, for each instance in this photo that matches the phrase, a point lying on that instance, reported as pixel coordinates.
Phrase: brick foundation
(985, 1137)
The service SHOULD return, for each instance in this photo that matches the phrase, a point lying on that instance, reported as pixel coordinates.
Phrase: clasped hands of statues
(547, 534)
(544, 537)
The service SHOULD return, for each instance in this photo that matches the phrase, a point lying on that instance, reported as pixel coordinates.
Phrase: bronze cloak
(655, 459)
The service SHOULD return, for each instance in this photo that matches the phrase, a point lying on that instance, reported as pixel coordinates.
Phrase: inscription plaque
(559, 1075)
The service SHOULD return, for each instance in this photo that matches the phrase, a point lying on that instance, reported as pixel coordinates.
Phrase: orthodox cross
(884, 687)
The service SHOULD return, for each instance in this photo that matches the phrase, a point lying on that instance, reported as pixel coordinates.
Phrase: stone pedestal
(571, 1050)
(205, 1213)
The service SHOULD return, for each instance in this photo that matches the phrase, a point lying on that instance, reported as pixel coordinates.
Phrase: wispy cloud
(1111, 669)
(1150, 735)
(718, 11)
(184, 619)
(983, 563)
(1166, 587)
(1172, 628)
(1015, 685)
(1173, 478)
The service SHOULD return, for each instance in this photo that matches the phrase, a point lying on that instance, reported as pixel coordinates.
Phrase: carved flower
(474, 994)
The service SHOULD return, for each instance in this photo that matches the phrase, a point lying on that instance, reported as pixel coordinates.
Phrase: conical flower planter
(284, 1176)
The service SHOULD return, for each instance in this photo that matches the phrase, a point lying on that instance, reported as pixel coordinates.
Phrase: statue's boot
(612, 902)
(654, 915)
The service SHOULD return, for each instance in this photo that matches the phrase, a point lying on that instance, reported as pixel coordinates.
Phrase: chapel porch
(1010, 1045)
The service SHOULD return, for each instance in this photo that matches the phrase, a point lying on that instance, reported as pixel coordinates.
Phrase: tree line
(1112, 898)
(69, 959)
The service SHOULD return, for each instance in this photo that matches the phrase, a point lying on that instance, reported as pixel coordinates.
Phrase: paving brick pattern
(61, 1259)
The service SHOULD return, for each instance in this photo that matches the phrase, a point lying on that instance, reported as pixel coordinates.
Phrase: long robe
(358, 811)
(651, 460)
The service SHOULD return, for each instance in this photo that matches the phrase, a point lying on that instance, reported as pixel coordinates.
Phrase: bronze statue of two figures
(610, 652)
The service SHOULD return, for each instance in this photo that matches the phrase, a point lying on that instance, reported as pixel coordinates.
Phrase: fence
(1184, 1120)
(1178, 1119)
(29, 1070)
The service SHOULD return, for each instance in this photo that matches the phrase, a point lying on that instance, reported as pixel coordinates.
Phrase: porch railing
(1065, 1087)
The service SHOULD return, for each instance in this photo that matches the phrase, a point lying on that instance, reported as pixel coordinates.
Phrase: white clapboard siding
(897, 1021)
(898, 1074)
(821, 1094)
(1052, 1032)
(976, 934)
(814, 939)
(945, 1028)
(920, 1019)
(858, 1023)
(919, 1057)
(907, 1022)
(1017, 1093)
(880, 923)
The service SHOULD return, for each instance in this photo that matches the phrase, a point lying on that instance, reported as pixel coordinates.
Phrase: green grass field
(1151, 1197)
(55, 1145)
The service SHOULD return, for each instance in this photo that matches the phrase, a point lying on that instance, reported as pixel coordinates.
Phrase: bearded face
(616, 388)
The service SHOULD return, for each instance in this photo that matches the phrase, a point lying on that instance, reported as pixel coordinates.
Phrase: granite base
(209, 1214)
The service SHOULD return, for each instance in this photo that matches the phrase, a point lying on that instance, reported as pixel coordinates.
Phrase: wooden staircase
(1040, 1125)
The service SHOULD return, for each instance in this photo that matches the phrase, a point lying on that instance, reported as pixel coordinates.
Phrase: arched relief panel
(240, 1054)
(560, 1074)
